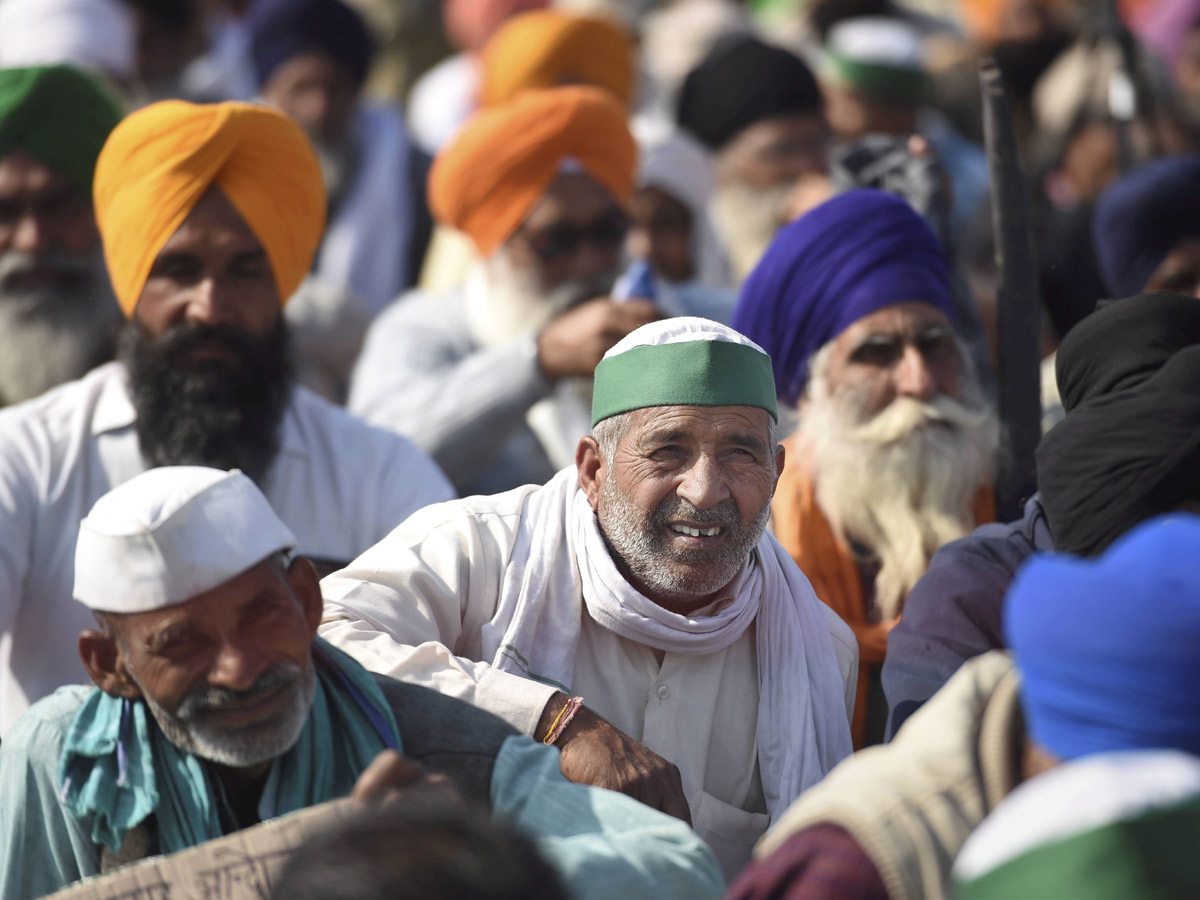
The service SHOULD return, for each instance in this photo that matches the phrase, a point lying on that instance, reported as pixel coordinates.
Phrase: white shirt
(415, 607)
(337, 483)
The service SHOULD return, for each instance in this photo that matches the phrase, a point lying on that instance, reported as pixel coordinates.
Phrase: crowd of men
(575, 431)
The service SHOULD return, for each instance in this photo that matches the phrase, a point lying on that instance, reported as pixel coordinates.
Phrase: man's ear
(592, 470)
(307, 586)
(105, 662)
(780, 459)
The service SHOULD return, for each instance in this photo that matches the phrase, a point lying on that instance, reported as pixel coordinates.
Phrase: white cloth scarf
(560, 562)
(366, 244)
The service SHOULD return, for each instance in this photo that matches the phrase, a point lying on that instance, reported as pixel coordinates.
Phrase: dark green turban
(58, 115)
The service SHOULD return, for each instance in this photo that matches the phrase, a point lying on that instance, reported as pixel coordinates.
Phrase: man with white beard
(57, 312)
(493, 380)
(895, 445)
(759, 110)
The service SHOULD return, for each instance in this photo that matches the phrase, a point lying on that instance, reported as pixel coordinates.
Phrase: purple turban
(283, 29)
(849, 257)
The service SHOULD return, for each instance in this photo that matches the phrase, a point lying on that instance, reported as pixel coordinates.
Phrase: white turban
(99, 35)
(171, 534)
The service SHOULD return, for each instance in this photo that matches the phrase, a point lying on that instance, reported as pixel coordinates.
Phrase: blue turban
(1107, 647)
(851, 256)
(283, 29)
(1141, 217)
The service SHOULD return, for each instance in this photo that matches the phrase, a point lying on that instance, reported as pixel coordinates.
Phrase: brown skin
(226, 637)
(1179, 272)
(904, 350)
(316, 91)
(853, 114)
(705, 455)
(776, 151)
(661, 233)
(574, 343)
(212, 270)
(41, 211)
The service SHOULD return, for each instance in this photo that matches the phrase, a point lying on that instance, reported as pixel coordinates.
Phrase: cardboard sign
(241, 866)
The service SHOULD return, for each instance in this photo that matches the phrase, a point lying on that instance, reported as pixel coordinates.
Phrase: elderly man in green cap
(639, 582)
(57, 312)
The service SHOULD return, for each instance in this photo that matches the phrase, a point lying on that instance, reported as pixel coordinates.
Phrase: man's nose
(703, 484)
(207, 305)
(238, 666)
(913, 376)
(31, 234)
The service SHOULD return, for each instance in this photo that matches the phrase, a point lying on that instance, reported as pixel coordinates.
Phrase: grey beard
(187, 729)
(638, 539)
(746, 220)
(51, 336)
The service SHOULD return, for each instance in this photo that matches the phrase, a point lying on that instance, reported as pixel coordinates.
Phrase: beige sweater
(911, 804)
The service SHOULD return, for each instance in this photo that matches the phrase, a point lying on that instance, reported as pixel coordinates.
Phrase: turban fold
(743, 81)
(548, 48)
(1141, 217)
(683, 361)
(283, 29)
(847, 258)
(171, 534)
(502, 161)
(162, 159)
(1123, 343)
(1107, 647)
(58, 115)
(1119, 459)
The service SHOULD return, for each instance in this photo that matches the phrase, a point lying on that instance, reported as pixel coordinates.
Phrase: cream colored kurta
(415, 606)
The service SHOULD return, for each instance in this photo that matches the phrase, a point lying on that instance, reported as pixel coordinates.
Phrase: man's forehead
(900, 319)
(698, 421)
(23, 173)
(213, 221)
(573, 196)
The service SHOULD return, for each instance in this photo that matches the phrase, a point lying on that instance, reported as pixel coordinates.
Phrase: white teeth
(696, 532)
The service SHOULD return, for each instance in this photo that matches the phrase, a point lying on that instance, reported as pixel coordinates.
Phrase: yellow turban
(548, 48)
(159, 162)
(503, 160)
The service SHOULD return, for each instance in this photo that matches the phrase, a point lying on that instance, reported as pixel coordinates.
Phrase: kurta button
(663, 692)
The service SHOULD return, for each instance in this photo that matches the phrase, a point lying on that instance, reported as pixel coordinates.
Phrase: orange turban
(159, 162)
(549, 48)
(501, 162)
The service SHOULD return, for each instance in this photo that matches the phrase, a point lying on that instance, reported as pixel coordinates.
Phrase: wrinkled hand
(390, 774)
(597, 753)
(575, 342)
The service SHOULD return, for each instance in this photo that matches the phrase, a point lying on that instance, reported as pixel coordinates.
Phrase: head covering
(1111, 825)
(1141, 217)
(877, 56)
(171, 534)
(548, 48)
(1119, 459)
(682, 361)
(1123, 343)
(283, 29)
(471, 23)
(100, 35)
(491, 176)
(1107, 647)
(741, 82)
(851, 256)
(58, 115)
(161, 160)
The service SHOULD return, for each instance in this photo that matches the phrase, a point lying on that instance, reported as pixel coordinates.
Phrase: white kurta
(339, 485)
(416, 605)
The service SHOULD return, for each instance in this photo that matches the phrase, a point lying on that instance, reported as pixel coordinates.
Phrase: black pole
(1017, 303)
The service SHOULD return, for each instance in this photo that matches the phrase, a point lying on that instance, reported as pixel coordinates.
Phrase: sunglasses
(562, 241)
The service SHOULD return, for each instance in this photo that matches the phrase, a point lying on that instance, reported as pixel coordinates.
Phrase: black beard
(222, 412)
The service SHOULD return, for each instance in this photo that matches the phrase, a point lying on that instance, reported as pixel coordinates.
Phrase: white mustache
(905, 415)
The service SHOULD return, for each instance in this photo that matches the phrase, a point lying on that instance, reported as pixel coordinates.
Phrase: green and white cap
(683, 361)
(881, 57)
(1121, 824)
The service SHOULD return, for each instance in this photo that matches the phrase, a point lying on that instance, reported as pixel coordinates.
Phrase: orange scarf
(806, 534)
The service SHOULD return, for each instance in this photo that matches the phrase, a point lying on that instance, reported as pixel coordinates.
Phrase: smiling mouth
(253, 709)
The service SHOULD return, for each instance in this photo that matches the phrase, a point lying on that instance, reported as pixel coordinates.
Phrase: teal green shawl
(117, 767)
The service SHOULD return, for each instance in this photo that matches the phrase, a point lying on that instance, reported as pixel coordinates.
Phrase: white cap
(680, 330)
(171, 534)
(99, 35)
(877, 40)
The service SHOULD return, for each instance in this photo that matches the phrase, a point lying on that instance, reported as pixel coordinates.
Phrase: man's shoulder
(429, 311)
(39, 733)
(59, 409)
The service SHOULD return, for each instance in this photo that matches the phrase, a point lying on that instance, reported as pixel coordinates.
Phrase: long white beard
(746, 220)
(901, 484)
(49, 337)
